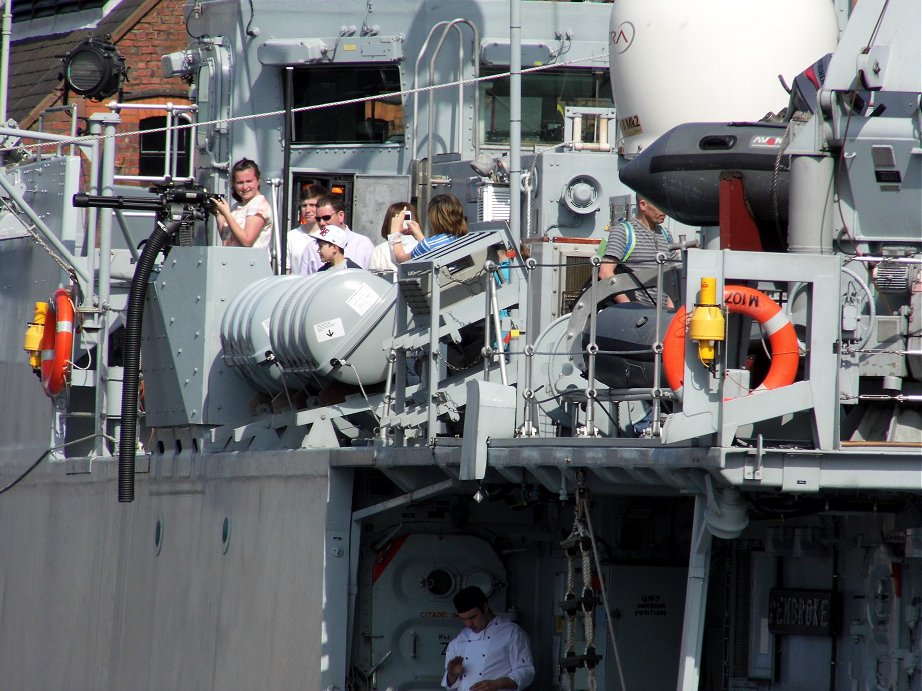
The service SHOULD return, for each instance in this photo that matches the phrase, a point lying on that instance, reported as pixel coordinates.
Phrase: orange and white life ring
(57, 344)
(752, 303)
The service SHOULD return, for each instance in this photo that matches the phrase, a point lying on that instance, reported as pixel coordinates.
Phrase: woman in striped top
(447, 223)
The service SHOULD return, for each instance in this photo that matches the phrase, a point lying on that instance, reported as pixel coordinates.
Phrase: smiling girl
(248, 223)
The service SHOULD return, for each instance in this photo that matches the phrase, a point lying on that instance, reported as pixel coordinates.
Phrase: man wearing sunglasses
(331, 211)
(299, 237)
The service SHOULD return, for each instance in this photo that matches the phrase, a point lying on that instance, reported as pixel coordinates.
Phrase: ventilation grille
(492, 203)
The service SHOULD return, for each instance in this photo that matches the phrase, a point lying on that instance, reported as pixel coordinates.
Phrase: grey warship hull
(300, 518)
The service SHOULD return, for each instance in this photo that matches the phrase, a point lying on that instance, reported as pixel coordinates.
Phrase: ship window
(545, 95)
(152, 158)
(369, 122)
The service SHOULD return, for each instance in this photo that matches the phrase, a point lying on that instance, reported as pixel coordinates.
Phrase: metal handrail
(445, 26)
(171, 138)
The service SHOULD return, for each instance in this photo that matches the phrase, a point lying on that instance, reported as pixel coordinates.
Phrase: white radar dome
(674, 61)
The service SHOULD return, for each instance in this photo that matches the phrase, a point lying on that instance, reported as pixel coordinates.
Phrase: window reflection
(371, 122)
(545, 95)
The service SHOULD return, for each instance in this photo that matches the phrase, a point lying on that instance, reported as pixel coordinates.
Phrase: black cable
(609, 416)
(38, 460)
(28, 470)
(186, 24)
(249, 30)
(128, 434)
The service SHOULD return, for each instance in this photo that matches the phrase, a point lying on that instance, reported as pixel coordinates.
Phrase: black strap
(633, 275)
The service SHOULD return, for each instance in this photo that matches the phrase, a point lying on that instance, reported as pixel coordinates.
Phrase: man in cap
(491, 653)
(636, 243)
(331, 244)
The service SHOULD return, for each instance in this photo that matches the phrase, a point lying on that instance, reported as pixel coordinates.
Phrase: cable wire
(85, 139)
(38, 460)
(611, 627)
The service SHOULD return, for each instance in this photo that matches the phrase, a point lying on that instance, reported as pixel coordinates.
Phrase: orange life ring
(757, 305)
(57, 344)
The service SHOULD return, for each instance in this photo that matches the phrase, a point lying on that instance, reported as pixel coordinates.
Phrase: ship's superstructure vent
(893, 278)
(492, 203)
(581, 195)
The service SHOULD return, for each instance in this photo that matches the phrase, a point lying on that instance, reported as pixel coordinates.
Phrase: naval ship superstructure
(227, 476)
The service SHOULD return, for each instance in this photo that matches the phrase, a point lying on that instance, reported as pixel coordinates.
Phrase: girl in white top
(249, 222)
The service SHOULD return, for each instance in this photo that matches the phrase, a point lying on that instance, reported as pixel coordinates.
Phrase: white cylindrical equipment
(674, 62)
(335, 325)
(301, 331)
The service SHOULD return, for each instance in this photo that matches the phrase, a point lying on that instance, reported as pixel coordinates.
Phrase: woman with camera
(396, 218)
(447, 223)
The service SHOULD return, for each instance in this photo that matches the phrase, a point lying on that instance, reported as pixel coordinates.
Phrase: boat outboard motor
(805, 86)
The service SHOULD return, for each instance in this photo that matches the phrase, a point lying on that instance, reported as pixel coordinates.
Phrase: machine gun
(177, 208)
(186, 203)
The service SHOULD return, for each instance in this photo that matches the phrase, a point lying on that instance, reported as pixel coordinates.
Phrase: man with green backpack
(636, 243)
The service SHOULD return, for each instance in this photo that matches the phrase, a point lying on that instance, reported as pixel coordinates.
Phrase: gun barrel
(83, 201)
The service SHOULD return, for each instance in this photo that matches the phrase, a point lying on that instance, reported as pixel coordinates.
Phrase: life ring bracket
(752, 303)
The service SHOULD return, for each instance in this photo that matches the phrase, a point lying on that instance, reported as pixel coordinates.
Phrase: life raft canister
(57, 344)
(752, 303)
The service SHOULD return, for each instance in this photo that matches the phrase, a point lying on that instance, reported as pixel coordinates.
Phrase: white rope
(608, 620)
(84, 139)
(571, 618)
(588, 616)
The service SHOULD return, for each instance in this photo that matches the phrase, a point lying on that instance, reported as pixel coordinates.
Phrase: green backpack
(630, 242)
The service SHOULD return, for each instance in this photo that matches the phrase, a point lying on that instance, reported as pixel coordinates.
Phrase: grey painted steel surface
(185, 381)
(213, 579)
(249, 557)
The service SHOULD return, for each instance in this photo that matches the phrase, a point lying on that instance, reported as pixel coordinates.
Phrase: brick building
(141, 31)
